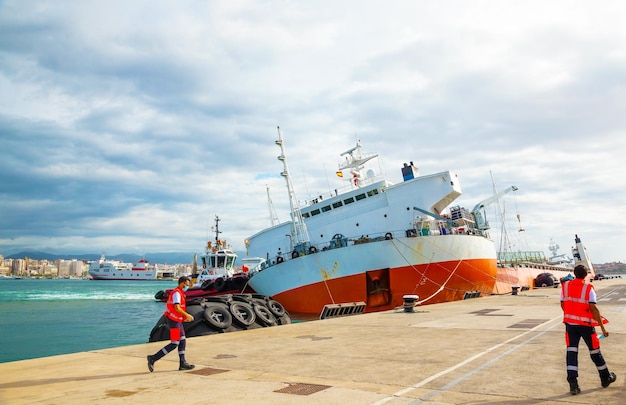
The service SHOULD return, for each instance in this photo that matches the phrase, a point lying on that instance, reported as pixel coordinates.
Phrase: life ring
(264, 315)
(276, 308)
(312, 250)
(388, 236)
(219, 284)
(217, 316)
(279, 259)
(295, 254)
(242, 313)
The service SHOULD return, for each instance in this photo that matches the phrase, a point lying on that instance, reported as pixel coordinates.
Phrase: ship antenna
(299, 233)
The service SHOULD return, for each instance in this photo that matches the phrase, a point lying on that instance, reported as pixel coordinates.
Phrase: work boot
(150, 363)
(185, 366)
(611, 379)
(573, 385)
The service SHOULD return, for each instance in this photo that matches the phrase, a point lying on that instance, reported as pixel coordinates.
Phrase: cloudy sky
(125, 127)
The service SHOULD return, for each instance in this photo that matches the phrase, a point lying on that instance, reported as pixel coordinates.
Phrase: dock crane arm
(479, 217)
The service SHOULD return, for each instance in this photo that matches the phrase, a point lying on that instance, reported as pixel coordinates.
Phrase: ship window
(315, 212)
(337, 204)
(305, 215)
(372, 192)
(348, 200)
(326, 208)
(360, 197)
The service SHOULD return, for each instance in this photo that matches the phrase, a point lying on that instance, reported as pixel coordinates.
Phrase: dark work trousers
(177, 340)
(573, 333)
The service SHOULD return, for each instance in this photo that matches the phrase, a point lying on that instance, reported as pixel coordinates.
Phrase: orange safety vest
(170, 309)
(576, 308)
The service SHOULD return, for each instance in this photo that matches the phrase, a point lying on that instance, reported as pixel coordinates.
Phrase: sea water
(46, 317)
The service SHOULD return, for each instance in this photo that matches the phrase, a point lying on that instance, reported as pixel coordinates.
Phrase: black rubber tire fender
(276, 308)
(242, 313)
(217, 316)
(264, 315)
(219, 284)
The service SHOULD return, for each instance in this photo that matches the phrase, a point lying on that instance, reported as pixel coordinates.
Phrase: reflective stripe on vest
(170, 308)
(576, 305)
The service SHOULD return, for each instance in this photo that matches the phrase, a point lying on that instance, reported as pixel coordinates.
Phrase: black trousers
(573, 334)
(177, 340)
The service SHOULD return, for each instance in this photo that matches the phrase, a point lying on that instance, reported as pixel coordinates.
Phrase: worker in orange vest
(176, 313)
(581, 315)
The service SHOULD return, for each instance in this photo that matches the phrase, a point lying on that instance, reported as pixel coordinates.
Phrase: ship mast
(217, 232)
(299, 233)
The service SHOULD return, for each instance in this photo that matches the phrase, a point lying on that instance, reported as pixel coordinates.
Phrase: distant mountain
(161, 258)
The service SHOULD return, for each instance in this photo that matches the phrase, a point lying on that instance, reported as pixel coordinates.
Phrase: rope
(441, 286)
(324, 279)
(424, 277)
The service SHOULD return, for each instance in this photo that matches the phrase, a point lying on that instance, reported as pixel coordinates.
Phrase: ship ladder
(345, 309)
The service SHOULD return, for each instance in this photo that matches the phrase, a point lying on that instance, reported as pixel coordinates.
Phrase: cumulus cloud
(131, 125)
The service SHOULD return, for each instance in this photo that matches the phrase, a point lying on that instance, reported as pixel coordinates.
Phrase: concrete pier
(493, 350)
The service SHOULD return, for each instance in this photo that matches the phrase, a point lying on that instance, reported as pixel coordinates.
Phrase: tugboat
(219, 275)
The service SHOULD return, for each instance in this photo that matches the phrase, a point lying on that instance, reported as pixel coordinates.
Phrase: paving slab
(493, 350)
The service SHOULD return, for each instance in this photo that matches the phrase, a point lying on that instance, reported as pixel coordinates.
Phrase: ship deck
(506, 349)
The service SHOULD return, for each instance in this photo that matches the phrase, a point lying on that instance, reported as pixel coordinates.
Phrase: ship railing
(362, 183)
(339, 241)
(429, 227)
(521, 257)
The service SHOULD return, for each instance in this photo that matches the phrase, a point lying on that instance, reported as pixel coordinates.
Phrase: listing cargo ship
(375, 243)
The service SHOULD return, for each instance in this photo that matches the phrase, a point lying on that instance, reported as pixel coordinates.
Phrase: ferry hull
(436, 268)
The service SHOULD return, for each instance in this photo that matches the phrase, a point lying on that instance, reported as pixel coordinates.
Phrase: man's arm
(596, 315)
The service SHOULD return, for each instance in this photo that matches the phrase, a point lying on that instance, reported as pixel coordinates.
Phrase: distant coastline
(157, 257)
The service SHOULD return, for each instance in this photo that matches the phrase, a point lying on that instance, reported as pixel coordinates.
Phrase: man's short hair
(580, 271)
(183, 279)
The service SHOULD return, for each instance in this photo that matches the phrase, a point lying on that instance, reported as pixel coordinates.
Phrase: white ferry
(104, 269)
